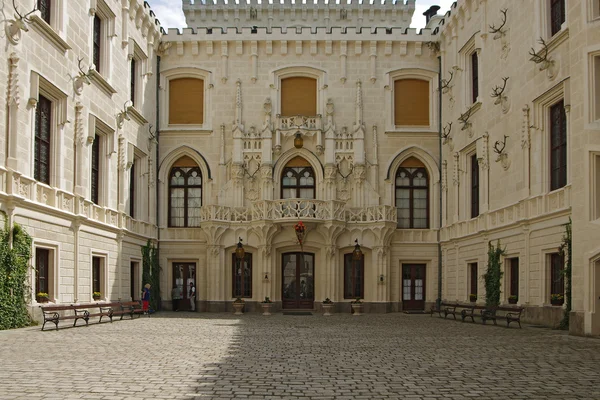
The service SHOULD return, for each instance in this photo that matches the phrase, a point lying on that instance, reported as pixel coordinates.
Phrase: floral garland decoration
(300, 230)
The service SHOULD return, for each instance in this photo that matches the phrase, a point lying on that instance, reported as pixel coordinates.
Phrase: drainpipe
(159, 305)
(439, 233)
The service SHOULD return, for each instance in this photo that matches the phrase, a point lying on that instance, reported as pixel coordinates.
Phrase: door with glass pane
(183, 275)
(298, 283)
(413, 287)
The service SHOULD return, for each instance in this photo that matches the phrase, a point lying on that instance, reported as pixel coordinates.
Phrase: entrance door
(413, 287)
(183, 275)
(298, 285)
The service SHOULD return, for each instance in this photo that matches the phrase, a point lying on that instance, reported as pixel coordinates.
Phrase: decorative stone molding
(525, 127)
(445, 175)
(455, 174)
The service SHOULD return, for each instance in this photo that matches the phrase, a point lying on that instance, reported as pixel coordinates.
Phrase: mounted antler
(446, 131)
(499, 32)
(446, 83)
(541, 57)
(20, 19)
(124, 115)
(464, 119)
(497, 92)
(500, 150)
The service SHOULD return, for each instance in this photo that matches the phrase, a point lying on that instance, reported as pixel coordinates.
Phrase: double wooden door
(183, 275)
(298, 280)
(413, 287)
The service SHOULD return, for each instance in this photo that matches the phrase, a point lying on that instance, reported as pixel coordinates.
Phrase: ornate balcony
(304, 124)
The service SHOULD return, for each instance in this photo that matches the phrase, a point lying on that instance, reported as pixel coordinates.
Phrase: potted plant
(472, 297)
(357, 306)
(96, 295)
(557, 299)
(513, 299)
(266, 306)
(42, 297)
(238, 306)
(327, 307)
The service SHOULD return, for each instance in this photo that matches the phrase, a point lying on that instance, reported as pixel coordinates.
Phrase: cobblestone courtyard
(187, 356)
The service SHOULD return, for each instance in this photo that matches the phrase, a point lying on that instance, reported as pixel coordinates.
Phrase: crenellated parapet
(272, 14)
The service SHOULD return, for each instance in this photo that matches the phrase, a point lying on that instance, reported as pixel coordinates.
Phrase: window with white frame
(102, 32)
(98, 275)
(594, 7)
(410, 105)
(43, 272)
(595, 190)
(471, 65)
(137, 65)
(186, 99)
(595, 86)
(42, 151)
(50, 22)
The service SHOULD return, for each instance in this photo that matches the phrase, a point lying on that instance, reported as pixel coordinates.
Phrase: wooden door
(183, 275)
(298, 283)
(413, 287)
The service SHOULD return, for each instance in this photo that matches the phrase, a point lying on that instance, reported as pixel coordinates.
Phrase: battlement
(287, 14)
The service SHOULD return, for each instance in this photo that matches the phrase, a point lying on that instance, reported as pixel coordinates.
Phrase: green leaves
(493, 275)
(151, 273)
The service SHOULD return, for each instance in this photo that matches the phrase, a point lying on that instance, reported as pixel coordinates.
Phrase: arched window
(298, 180)
(185, 193)
(412, 195)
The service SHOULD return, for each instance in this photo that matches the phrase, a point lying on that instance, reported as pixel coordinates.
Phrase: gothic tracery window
(412, 195)
(185, 194)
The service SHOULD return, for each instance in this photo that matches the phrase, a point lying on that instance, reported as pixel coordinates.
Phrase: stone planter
(266, 308)
(96, 298)
(357, 308)
(238, 308)
(557, 302)
(512, 301)
(42, 299)
(327, 307)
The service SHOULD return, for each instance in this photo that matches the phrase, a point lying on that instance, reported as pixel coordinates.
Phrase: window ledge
(186, 129)
(137, 116)
(102, 83)
(557, 39)
(47, 31)
(404, 131)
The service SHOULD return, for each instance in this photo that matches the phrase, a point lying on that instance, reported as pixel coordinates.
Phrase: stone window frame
(355, 264)
(593, 10)
(104, 272)
(135, 53)
(248, 259)
(544, 24)
(54, 31)
(412, 188)
(544, 269)
(102, 74)
(41, 86)
(470, 278)
(465, 184)
(473, 45)
(106, 134)
(421, 73)
(541, 119)
(311, 158)
(186, 72)
(138, 160)
(592, 90)
(54, 269)
(298, 71)
(593, 166)
(507, 275)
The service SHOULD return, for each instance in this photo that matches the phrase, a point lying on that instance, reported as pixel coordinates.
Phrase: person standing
(146, 298)
(192, 296)
(176, 296)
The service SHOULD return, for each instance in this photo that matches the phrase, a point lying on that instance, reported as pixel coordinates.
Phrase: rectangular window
(354, 273)
(186, 101)
(557, 15)
(514, 276)
(242, 276)
(474, 186)
(134, 287)
(557, 278)
(473, 278)
(558, 146)
(45, 8)
(474, 77)
(132, 86)
(96, 169)
(411, 102)
(596, 187)
(132, 189)
(96, 274)
(42, 270)
(596, 87)
(298, 96)
(43, 121)
(97, 41)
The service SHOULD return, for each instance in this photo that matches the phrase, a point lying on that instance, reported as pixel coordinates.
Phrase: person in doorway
(192, 296)
(146, 298)
(176, 295)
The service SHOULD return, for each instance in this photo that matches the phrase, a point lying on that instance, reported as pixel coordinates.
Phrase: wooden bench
(52, 313)
(442, 309)
(509, 314)
(130, 308)
(469, 312)
(453, 310)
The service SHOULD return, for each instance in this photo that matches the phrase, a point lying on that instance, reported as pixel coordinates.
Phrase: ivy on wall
(493, 275)
(151, 273)
(14, 265)
(566, 250)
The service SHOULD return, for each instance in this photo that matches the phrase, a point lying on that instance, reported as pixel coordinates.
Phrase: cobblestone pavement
(219, 356)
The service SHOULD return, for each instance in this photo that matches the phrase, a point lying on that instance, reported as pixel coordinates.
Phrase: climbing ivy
(14, 264)
(566, 250)
(151, 273)
(493, 275)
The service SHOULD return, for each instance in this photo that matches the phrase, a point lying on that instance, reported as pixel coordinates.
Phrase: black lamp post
(357, 254)
(239, 255)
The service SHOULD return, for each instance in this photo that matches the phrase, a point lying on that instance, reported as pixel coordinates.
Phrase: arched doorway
(298, 280)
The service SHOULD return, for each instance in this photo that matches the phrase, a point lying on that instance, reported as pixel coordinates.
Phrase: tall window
(96, 274)
(185, 193)
(557, 278)
(412, 195)
(474, 186)
(242, 276)
(354, 277)
(558, 146)
(596, 87)
(97, 42)
(298, 180)
(132, 189)
(557, 15)
(42, 273)
(474, 77)
(514, 276)
(133, 82)
(473, 278)
(45, 8)
(43, 120)
(186, 101)
(95, 169)
(298, 96)
(596, 187)
(411, 102)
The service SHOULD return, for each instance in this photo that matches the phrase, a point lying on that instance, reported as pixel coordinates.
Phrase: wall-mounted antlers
(497, 91)
(447, 130)
(13, 27)
(124, 115)
(541, 57)
(340, 171)
(22, 20)
(464, 119)
(83, 77)
(445, 87)
(499, 32)
(500, 150)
